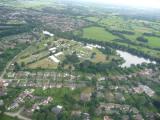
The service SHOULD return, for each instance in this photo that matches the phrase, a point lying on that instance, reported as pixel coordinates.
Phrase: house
(138, 117)
(76, 113)
(2, 87)
(101, 79)
(106, 118)
(85, 116)
(53, 50)
(1, 102)
(58, 109)
(57, 54)
(86, 97)
(145, 72)
(89, 47)
(53, 58)
(143, 88)
(13, 106)
(48, 33)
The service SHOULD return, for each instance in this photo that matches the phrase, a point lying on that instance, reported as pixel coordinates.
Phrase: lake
(131, 59)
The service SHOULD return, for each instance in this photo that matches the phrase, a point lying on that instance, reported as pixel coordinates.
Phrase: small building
(85, 116)
(48, 33)
(1, 102)
(86, 97)
(53, 50)
(76, 113)
(58, 109)
(143, 88)
(53, 58)
(57, 54)
(106, 118)
(2, 87)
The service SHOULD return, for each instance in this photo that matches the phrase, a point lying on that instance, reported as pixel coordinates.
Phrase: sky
(133, 3)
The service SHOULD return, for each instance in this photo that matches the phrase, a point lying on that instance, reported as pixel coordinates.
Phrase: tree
(2, 109)
(93, 55)
(50, 116)
(17, 67)
(64, 115)
(22, 64)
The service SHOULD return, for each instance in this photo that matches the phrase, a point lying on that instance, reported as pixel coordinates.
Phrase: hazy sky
(134, 3)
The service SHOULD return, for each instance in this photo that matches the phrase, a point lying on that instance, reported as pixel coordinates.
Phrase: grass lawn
(58, 94)
(153, 41)
(4, 117)
(98, 33)
(44, 63)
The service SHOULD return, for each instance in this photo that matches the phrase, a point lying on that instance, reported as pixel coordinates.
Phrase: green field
(37, 4)
(115, 22)
(153, 41)
(93, 19)
(98, 33)
(4, 117)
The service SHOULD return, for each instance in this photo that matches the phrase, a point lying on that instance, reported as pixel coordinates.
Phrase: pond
(132, 59)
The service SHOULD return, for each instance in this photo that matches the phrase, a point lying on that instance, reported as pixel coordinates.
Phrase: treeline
(31, 62)
(88, 66)
(142, 39)
(8, 54)
(18, 28)
(151, 34)
(117, 32)
(39, 51)
(15, 30)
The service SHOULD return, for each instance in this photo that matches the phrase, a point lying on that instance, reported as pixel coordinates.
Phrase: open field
(4, 117)
(154, 41)
(98, 33)
(30, 4)
(115, 22)
(44, 63)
